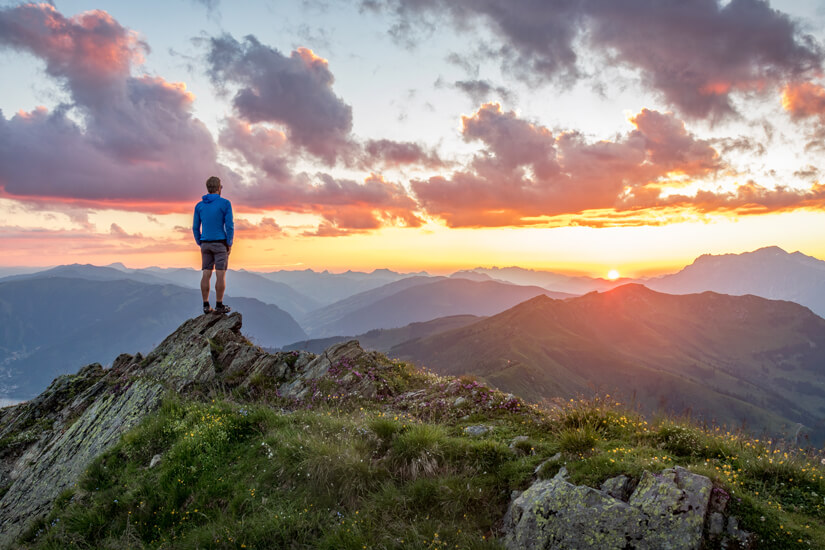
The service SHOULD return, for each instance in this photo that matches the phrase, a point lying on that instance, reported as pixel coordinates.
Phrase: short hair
(213, 184)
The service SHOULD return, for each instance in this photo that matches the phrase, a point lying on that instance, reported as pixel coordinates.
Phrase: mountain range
(768, 272)
(52, 325)
(418, 299)
(398, 306)
(384, 339)
(734, 359)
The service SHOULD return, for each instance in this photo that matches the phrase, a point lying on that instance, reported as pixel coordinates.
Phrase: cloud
(481, 91)
(295, 91)
(92, 51)
(119, 233)
(210, 5)
(699, 53)
(751, 198)
(263, 148)
(696, 54)
(137, 146)
(389, 153)
(343, 203)
(65, 245)
(525, 175)
(804, 100)
(264, 229)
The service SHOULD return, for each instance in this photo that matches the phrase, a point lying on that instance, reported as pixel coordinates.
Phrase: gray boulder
(665, 512)
(477, 430)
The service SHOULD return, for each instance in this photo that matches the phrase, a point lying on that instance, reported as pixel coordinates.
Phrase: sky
(579, 136)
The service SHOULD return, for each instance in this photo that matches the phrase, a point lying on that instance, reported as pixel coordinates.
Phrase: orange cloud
(139, 146)
(804, 99)
(525, 173)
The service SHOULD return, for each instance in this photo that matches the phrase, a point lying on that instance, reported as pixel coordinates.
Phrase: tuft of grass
(578, 440)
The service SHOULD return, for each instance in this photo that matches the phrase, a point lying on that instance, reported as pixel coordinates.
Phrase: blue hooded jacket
(214, 213)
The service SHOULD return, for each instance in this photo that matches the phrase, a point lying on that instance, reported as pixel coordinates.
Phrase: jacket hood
(211, 197)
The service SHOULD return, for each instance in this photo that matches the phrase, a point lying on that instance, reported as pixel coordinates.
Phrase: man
(214, 215)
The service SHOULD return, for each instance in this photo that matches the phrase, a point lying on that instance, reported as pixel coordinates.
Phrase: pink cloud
(139, 146)
(66, 245)
(295, 91)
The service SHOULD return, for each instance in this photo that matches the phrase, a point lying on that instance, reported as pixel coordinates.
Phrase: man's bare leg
(220, 284)
(205, 279)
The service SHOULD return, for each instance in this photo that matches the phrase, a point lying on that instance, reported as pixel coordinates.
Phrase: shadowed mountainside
(329, 288)
(239, 282)
(734, 359)
(52, 325)
(418, 299)
(383, 340)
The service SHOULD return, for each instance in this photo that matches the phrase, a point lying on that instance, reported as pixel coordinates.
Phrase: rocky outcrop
(667, 510)
(47, 443)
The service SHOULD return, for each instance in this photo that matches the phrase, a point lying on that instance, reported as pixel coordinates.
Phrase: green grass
(352, 474)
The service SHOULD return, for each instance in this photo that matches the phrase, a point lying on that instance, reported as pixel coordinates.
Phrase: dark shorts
(214, 255)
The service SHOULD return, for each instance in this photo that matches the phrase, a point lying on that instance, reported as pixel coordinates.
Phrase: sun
(613, 275)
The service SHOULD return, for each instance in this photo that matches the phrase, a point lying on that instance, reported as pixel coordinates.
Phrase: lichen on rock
(666, 511)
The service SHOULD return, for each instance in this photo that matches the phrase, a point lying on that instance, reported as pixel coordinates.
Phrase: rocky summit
(210, 441)
(48, 442)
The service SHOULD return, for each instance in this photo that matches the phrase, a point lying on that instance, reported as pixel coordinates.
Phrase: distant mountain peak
(631, 289)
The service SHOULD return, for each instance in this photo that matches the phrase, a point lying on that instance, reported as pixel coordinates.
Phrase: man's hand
(228, 250)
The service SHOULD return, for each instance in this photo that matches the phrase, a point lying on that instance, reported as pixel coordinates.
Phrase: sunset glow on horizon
(395, 134)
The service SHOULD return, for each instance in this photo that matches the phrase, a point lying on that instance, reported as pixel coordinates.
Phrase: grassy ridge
(251, 470)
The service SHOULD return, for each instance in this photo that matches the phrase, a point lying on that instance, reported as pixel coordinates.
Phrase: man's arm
(229, 224)
(196, 226)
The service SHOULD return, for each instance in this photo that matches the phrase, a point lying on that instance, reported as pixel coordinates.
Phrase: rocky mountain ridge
(49, 443)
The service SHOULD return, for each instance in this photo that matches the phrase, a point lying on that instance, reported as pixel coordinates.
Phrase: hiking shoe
(207, 309)
(223, 309)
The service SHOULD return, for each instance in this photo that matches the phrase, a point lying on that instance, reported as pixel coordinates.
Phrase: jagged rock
(190, 353)
(54, 437)
(477, 430)
(719, 499)
(42, 472)
(459, 401)
(740, 536)
(676, 502)
(666, 511)
(618, 487)
(716, 523)
(300, 385)
(154, 462)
